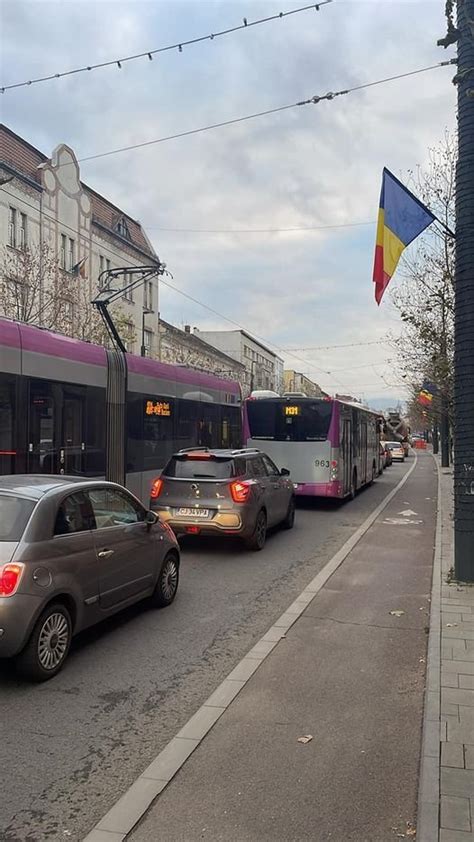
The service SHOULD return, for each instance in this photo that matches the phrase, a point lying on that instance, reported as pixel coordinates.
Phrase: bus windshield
(279, 420)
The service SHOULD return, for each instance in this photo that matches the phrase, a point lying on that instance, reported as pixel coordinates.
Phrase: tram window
(209, 425)
(7, 423)
(186, 424)
(95, 425)
(134, 459)
(158, 431)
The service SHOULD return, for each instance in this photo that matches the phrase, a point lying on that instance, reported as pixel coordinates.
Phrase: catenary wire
(314, 100)
(177, 46)
(286, 351)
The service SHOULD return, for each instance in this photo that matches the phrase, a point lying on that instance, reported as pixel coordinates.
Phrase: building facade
(57, 236)
(263, 368)
(182, 347)
(295, 381)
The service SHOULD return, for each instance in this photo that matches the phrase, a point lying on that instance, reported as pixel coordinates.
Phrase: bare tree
(34, 290)
(425, 298)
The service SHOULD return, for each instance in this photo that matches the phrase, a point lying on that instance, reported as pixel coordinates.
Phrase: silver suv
(224, 492)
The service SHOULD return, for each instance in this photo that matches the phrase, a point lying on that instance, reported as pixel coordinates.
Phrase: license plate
(198, 513)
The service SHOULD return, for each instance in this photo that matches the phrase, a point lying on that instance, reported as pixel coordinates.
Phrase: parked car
(397, 451)
(388, 455)
(238, 493)
(72, 553)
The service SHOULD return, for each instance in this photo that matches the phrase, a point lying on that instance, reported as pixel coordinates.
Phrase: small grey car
(235, 493)
(73, 552)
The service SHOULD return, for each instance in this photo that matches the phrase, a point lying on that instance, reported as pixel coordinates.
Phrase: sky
(306, 167)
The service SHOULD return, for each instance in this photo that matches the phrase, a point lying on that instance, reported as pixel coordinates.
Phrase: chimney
(187, 328)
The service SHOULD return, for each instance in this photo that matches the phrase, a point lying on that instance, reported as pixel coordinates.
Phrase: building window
(23, 232)
(70, 257)
(128, 294)
(12, 228)
(147, 341)
(129, 337)
(148, 295)
(122, 228)
(62, 254)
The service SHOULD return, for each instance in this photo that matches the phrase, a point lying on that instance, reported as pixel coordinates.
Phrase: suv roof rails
(193, 449)
(245, 450)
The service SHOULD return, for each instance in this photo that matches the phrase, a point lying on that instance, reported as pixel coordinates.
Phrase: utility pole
(444, 426)
(464, 302)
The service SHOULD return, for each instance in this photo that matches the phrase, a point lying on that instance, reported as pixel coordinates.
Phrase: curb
(132, 806)
(429, 785)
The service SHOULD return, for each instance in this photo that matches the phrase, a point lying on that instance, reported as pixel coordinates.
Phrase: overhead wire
(118, 62)
(314, 100)
(286, 351)
(260, 230)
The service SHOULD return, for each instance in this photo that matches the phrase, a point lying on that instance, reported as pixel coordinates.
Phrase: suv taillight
(156, 489)
(10, 575)
(240, 491)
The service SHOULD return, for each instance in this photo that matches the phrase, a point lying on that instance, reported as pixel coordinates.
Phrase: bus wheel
(353, 491)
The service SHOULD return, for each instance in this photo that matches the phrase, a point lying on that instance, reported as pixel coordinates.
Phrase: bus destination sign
(292, 410)
(158, 408)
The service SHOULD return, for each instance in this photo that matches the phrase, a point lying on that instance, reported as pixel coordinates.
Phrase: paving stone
(463, 665)
(455, 836)
(466, 682)
(455, 813)
(452, 754)
(450, 679)
(466, 715)
(461, 733)
(469, 761)
(459, 782)
(458, 697)
(460, 655)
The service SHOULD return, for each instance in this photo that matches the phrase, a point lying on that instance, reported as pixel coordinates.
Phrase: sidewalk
(345, 665)
(447, 770)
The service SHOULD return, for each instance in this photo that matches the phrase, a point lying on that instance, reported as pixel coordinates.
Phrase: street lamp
(146, 312)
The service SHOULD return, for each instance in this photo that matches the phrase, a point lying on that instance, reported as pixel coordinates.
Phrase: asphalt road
(72, 746)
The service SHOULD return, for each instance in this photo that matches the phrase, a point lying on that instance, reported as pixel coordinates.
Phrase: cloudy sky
(318, 165)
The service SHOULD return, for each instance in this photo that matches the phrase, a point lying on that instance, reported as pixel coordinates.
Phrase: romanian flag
(402, 217)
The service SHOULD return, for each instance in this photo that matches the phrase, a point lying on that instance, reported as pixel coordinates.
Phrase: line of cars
(75, 551)
(393, 451)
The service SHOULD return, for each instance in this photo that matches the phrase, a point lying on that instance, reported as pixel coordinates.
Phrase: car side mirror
(284, 472)
(151, 518)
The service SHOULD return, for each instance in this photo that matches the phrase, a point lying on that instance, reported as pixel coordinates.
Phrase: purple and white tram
(71, 407)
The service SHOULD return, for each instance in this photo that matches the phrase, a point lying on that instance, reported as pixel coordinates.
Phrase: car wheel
(257, 540)
(47, 648)
(289, 521)
(167, 584)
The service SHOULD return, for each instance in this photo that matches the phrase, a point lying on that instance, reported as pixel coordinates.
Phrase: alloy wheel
(53, 641)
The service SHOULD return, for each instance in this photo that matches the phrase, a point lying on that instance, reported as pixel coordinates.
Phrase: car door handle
(105, 553)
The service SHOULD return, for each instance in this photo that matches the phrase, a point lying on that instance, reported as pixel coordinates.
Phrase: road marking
(398, 521)
(408, 513)
(136, 801)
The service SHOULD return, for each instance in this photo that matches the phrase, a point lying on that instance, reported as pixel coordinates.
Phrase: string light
(151, 53)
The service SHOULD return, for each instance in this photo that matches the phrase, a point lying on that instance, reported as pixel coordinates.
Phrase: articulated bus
(330, 447)
(75, 408)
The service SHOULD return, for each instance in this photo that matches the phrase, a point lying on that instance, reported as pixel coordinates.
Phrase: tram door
(56, 435)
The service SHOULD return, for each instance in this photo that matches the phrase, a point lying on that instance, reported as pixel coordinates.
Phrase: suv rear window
(205, 467)
(14, 515)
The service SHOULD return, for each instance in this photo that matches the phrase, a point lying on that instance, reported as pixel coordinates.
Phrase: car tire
(256, 542)
(289, 521)
(167, 583)
(48, 646)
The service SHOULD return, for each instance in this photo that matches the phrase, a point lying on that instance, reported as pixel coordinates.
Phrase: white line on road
(132, 806)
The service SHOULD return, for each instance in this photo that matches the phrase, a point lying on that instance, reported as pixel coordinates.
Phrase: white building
(295, 381)
(264, 369)
(46, 210)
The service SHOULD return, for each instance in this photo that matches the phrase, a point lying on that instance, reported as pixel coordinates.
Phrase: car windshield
(14, 515)
(202, 467)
